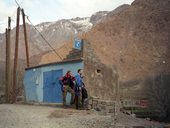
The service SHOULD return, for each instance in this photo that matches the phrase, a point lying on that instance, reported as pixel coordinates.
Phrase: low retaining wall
(2, 98)
(104, 106)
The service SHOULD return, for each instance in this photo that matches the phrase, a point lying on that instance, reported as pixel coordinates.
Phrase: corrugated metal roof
(59, 62)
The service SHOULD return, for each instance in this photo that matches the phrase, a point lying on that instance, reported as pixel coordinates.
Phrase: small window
(98, 71)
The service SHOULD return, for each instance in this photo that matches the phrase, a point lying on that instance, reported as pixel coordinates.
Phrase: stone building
(41, 82)
(101, 80)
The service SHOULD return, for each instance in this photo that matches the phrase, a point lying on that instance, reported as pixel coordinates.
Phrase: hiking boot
(64, 106)
(72, 103)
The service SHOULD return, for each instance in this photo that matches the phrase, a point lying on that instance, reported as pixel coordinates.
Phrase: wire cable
(17, 3)
(44, 38)
(39, 32)
(21, 2)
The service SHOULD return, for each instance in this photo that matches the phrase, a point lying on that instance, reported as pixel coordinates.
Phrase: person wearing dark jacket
(67, 86)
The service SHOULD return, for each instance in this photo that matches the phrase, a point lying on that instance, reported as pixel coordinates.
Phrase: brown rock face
(135, 39)
(56, 33)
(100, 80)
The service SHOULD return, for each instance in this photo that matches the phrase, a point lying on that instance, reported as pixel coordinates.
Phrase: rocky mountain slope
(135, 39)
(59, 34)
(56, 33)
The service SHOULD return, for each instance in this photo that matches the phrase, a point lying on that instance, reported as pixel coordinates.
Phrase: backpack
(68, 81)
(84, 93)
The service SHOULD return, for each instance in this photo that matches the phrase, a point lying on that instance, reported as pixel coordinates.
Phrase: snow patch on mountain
(84, 23)
(41, 27)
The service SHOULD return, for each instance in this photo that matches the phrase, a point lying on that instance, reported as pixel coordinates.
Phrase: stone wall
(101, 80)
(2, 98)
(103, 106)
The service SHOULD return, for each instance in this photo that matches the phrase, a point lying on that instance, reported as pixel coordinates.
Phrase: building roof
(54, 63)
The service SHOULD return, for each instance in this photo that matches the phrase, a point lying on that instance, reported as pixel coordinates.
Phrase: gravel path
(27, 116)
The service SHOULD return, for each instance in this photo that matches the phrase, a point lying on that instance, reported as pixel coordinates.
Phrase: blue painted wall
(51, 87)
(34, 81)
(31, 79)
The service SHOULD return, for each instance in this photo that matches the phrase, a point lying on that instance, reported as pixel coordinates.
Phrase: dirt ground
(27, 116)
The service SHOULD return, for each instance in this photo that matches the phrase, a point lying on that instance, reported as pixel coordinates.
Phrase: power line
(44, 39)
(21, 2)
(17, 3)
(39, 32)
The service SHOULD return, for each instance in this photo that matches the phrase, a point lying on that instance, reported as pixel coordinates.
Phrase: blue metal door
(52, 89)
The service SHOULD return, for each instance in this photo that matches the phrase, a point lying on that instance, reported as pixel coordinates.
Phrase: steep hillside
(135, 38)
(98, 17)
(57, 33)
(52, 57)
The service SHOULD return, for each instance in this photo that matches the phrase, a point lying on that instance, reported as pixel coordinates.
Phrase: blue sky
(52, 10)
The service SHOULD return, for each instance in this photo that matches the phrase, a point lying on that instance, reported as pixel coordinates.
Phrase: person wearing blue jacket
(78, 86)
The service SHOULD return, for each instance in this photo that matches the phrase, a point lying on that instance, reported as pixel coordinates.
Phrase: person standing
(78, 87)
(67, 86)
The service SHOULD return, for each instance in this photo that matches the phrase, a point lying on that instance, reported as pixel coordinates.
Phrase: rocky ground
(27, 116)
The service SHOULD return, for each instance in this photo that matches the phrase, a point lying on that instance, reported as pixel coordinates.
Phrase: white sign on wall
(77, 44)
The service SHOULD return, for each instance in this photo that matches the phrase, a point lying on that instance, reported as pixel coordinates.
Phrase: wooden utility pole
(9, 57)
(16, 56)
(6, 74)
(8, 60)
(25, 37)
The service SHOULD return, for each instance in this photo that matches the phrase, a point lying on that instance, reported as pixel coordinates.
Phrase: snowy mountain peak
(56, 33)
(83, 22)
